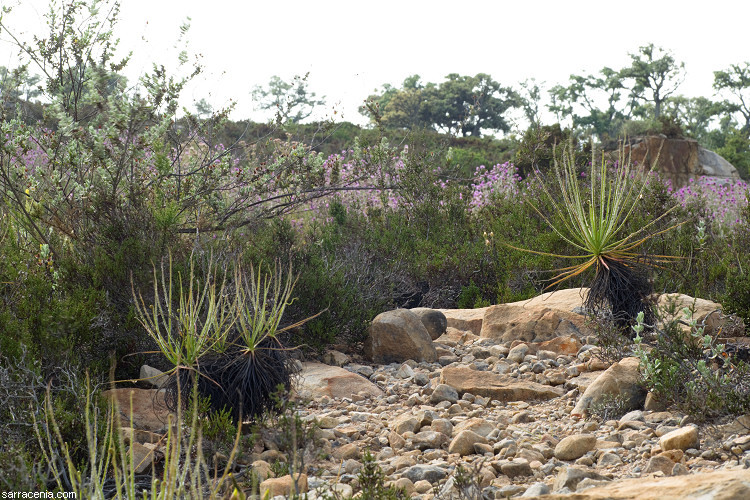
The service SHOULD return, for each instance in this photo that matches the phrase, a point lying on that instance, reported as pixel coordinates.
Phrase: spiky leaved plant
(594, 223)
(255, 363)
(187, 327)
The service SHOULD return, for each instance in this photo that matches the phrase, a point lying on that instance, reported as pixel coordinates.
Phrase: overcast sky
(350, 48)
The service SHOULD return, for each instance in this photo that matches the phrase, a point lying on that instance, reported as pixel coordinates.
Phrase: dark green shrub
(691, 370)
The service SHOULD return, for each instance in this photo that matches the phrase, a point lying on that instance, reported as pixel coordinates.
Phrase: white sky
(352, 47)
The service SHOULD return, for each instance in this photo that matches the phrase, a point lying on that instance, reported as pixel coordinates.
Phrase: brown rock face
(317, 379)
(495, 386)
(149, 410)
(397, 336)
(678, 160)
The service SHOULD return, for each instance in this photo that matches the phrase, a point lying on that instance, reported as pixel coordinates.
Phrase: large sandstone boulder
(718, 485)
(539, 319)
(567, 299)
(508, 322)
(622, 379)
(495, 386)
(317, 379)
(705, 310)
(399, 335)
(679, 160)
(149, 411)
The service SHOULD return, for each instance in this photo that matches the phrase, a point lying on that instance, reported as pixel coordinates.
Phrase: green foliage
(610, 407)
(461, 104)
(290, 101)
(471, 297)
(736, 150)
(735, 81)
(655, 71)
(191, 322)
(536, 150)
(691, 370)
(372, 481)
(579, 101)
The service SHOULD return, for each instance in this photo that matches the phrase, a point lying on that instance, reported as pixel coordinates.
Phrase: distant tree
(695, 114)
(203, 108)
(403, 107)
(735, 81)
(656, 75)
(292, 101)
(18, 88)
(582, 101)
(469, 104)
(463, 105)
(530, 96)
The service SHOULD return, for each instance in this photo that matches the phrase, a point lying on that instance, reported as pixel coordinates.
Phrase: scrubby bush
(691, 370)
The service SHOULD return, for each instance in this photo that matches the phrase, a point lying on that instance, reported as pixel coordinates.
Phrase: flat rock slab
(149, 412)
(719, 485)
(496, 386)
(317, 379)
(568, 299)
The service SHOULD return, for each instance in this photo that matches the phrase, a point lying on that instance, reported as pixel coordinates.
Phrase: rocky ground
(534, 416)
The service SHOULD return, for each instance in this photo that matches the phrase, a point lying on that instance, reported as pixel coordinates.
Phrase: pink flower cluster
(724, 199)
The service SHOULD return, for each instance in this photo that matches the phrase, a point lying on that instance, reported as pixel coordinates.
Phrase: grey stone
(535, 490)
(431, 473)
(433, 320)
(569, 477)
(444, 392)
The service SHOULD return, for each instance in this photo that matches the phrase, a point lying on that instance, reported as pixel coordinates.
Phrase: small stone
(405, 423)
(404, 483)
(680, 470)
(143, 457)
(682, 439)
(429, 439)
(422, 486)
(573, 447)
(518, 467)
(569, 477)
(659, 463)
(347, 451)
(517, 353)
(421, 379)
(430, 473)
(395, 440)
(404, 371)
(535, 490)
(153, 376)
(443, 426)
(444, 392)
(609, 459)
(284, 485)
(463, 443)
(522, 417)
(262, 469)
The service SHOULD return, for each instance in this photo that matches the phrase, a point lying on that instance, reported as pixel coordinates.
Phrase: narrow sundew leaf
(593, 226)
